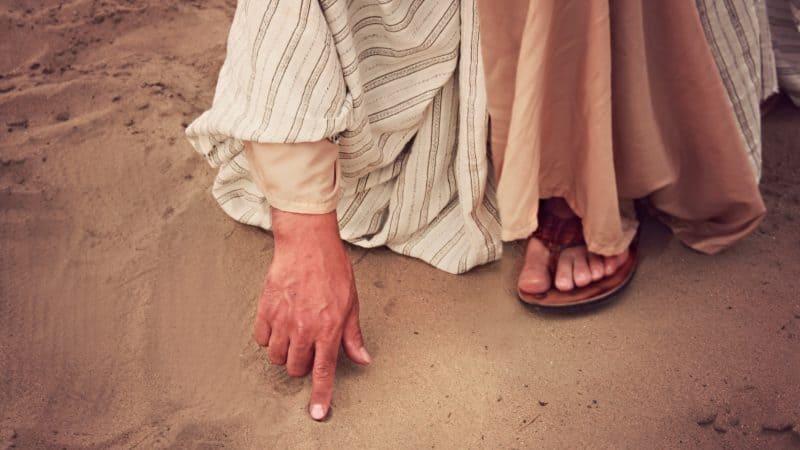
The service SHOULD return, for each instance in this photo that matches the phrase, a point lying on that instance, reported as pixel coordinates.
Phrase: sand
(127, 297)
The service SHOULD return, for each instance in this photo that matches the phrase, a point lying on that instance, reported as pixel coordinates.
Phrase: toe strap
(570, 233)
(557, 234)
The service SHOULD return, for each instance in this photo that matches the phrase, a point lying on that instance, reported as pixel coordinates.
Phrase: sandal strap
(570, 233)
(558, 234)
(547, 233)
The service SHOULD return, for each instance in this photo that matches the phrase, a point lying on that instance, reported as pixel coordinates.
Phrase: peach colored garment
(299, 178)
(609, 100)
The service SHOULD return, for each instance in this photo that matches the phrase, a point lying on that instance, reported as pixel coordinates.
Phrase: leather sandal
(558, 234)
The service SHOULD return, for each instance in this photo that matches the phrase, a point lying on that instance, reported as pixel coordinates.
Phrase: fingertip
(365, 356)
(261, 334)
(260, 340)
(358, 354)
(323, 374)
(317, 412)
(361, 357)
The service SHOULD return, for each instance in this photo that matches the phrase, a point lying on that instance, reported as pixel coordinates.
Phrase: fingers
(299, 358)
(262, 331)
(353, 341)
(322, 377)
(278, 348)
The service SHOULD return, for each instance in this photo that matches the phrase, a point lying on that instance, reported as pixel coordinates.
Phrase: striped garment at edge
(401, 82)
(738, 34)
(784, 21)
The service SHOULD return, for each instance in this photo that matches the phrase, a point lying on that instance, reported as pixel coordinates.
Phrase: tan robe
(609, 100)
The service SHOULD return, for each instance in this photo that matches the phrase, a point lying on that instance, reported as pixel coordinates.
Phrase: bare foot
(576, 268)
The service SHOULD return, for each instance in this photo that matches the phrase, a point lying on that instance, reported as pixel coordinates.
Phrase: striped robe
(784, 20)
(400, 82)
(737, 31)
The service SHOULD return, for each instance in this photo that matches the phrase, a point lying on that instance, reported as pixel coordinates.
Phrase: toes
(564, 281)
(581, 273)
(596, 266)
(623, 257)
(610, 265)
(613, 263)
(576, 268)
(534, 280)
(535, 277)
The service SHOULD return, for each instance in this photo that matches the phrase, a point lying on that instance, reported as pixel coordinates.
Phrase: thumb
(353, 341)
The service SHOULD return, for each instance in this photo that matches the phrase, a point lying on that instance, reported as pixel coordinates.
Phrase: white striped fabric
(737, 32)
(401, 82)
(784, 21)
(794, 7)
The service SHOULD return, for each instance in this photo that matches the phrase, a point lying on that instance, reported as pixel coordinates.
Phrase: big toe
(535, 276)
(534, 281)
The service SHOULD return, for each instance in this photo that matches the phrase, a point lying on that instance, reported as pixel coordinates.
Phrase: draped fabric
(400, 82)
(738, 35)
(784, 20)
(608, 101)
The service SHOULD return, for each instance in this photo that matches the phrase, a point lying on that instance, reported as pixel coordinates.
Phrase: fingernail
(365, 355)
(317, 412)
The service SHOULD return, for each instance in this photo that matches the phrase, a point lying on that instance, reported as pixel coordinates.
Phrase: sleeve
(281, 82)
(300, 178)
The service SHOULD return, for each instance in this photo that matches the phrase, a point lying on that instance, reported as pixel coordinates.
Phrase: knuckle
(323, 372)
(295, 372)
(301, 328)
(355, 332)
(354, 339)
(328, 325)
(277, 359)
(357, 340)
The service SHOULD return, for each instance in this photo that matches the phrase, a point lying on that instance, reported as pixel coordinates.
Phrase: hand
(309, 305)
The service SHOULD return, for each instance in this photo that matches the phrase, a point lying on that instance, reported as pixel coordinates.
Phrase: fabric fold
(400, 83)
(613, 101)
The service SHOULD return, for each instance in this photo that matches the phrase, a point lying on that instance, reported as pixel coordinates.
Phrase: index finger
(322, 376)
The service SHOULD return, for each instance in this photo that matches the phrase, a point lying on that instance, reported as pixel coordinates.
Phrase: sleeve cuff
(300, 178)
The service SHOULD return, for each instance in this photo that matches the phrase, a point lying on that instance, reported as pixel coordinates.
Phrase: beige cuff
(299, 178)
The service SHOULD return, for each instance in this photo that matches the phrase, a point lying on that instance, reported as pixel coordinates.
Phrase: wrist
(289, 227)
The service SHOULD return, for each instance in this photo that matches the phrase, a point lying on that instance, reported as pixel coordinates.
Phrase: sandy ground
(127, 296)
